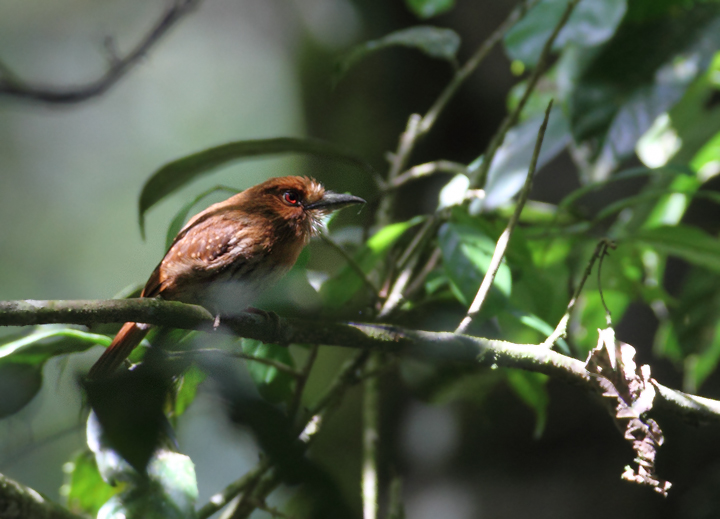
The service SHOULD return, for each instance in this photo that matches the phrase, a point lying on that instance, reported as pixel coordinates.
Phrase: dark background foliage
(467, 442)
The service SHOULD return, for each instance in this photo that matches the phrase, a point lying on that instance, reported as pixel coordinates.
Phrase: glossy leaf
(179, 220)
(22, 360)
(593, 315)
(275, 386)
(187, 389)
(688, 243)
(32, 349)
(19, 383)
(84, 489)
(590, 24)
(170, 492)
(434, 42)
(178, 173)
(340, 289)
(466, 253)
(510, 166)
(640, 74)
(428, 8)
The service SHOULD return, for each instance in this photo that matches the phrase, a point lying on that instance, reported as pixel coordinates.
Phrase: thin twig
(603, 253)
(351, 262)
(301, 381)
(10, 85)
(472, 64)
(427, 169)
(371, 437)
(348, 376)
(479, 177)
(504, 239)
(560, 331)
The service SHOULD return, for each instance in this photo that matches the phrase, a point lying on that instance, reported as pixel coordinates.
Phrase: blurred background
(70, 177)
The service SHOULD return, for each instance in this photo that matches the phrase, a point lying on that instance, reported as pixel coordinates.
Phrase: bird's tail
(124, 342)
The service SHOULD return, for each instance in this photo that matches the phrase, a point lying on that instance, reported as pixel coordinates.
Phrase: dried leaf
(618, 376)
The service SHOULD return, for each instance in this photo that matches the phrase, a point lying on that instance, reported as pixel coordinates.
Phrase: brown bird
(230, 252)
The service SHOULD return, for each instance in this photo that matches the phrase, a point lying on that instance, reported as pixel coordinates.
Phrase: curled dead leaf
(614, 371)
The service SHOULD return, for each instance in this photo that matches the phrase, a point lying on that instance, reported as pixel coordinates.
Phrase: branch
(432, 346)
(19, 501)
(479, 178)
(472, 64)
(10, 85)
(504, 239)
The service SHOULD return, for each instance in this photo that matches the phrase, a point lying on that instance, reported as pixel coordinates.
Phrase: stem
(371, 436)
(504, 239)
(11, 86)
(466, 70)
(560, 331)
(479, 178)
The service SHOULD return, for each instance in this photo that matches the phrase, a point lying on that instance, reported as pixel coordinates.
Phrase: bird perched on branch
(230, 252)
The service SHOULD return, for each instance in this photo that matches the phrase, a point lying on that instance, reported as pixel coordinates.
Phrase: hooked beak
(333, 201)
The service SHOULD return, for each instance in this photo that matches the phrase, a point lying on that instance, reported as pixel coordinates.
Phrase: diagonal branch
(432, 346)
(504, 239)
(17, 500)
(11, 86)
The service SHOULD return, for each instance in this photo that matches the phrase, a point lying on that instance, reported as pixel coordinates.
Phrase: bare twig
(504, 239)
(301, 381)
(370, 439)
(17, 500)
(251, 482)
(479, 177)
(560, 331)
(427, 169)
(11, 86)
(351, 262)
(472, 64)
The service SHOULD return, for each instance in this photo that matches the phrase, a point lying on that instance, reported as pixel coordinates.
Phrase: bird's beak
(333, 201)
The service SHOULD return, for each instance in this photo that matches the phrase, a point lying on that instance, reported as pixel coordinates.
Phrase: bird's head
(297, 203)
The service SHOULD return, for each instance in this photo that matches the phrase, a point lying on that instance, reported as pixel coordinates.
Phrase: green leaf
(275, 386)
(22, 360)
(187, 389)
(84, 489)
(708, 158)
(698, 367)
(637, 76)
(425, 9)
(178, 173)
(19, 383)
(466, 253)
(32, 349)
(170, 492)
(511, 162)
(177, 223)
(532, 390)
(432, 41)
(593, 315)
(688, 243)
(340, 289)
(590, 24)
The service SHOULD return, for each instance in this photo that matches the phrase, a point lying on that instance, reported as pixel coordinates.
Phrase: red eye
(291, 197)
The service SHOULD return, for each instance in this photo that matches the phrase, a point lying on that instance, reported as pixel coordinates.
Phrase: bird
(226, 255)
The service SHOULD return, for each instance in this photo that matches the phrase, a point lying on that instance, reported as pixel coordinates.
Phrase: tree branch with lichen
(431, 346)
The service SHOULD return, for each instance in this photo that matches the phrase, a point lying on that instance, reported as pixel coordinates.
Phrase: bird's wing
(204, 250)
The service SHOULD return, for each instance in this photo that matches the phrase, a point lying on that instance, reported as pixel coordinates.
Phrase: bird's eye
(291, 197)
